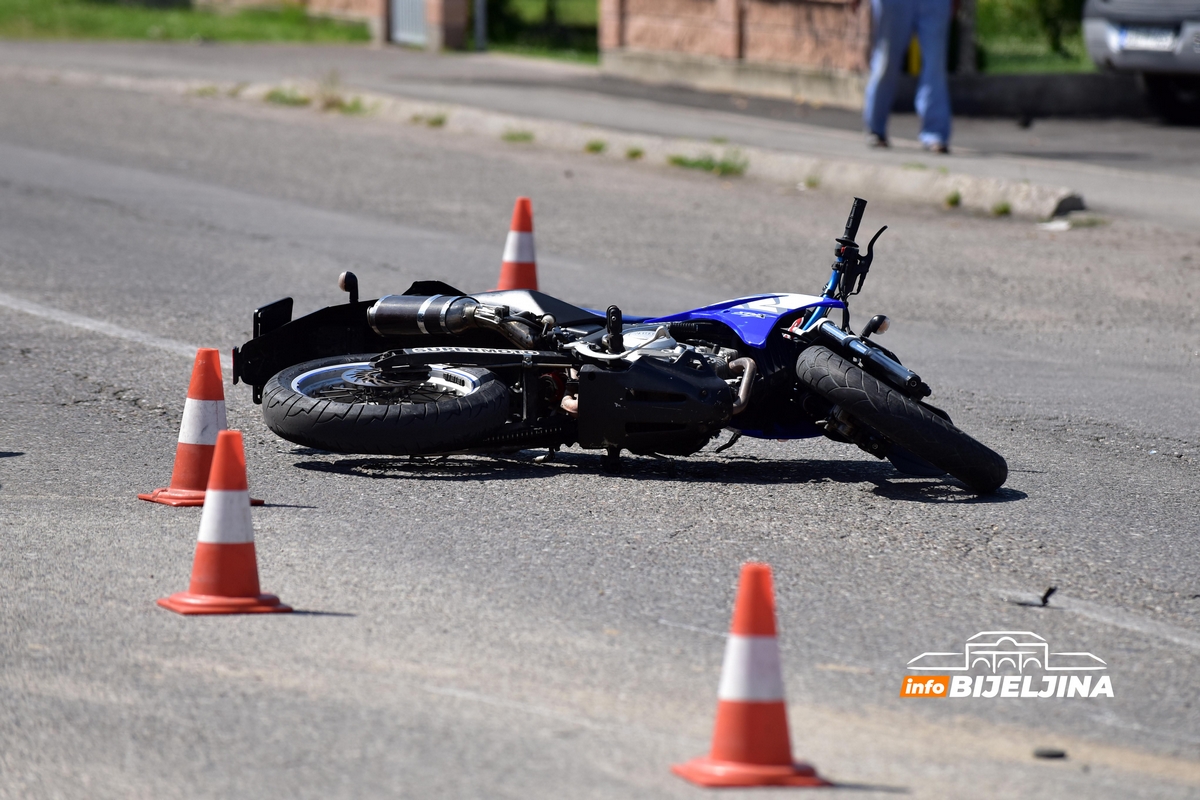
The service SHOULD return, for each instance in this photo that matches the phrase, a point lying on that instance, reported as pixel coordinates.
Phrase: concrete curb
(1050, 95)
(927, 186)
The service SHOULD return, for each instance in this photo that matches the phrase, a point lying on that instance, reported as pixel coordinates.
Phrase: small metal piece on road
(1049, 593)
(1049, 752)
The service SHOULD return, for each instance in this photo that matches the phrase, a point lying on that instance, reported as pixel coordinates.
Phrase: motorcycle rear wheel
(343, 405)
(901, 420)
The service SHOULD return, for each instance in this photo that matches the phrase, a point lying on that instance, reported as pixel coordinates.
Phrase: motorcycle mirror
(878, 324)
(348, 282)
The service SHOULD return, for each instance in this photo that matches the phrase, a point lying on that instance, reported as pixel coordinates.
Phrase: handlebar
(855, 219)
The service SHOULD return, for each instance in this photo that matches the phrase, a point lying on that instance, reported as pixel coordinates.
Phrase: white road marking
(107, 329)
(1111, 616)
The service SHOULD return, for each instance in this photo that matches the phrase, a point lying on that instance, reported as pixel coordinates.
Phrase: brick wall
(820, 34)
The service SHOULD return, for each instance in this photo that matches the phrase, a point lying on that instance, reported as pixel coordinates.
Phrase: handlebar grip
(855, 219)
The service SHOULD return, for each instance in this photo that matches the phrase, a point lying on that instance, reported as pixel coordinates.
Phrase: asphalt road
(1132, 168)
(499, 628)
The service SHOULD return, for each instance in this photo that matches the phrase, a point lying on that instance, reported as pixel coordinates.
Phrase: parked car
(1157, 39)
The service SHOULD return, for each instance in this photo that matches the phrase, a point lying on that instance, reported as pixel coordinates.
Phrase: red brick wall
(349, 9)
(823, 34)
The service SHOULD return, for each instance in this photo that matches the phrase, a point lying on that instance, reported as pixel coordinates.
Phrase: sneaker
(875, 140)
(936, 147)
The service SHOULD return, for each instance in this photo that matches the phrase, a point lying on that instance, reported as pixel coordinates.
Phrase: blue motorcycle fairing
(753, 317)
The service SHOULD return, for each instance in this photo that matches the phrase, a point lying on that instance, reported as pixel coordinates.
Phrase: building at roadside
(809, 50)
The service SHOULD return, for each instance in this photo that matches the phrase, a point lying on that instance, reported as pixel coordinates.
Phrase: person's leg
(893, 20)
(933, 92)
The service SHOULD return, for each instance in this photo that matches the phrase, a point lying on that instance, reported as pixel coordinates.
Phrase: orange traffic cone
(225, 570)
(750, 745)
(203, 417)
(519, 269)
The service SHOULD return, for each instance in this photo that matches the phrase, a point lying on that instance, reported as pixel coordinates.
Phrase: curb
(1098, 94)
(926, 186)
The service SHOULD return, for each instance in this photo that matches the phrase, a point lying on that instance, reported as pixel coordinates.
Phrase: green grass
(518, 136)
(570, 12)
(108, 19)
(954, 199)
(1012, 41)
(287, 97)
(1011, 55)
(634, 153)
(596, 146)
(729, 164)
(1001, 209)
(573, 55)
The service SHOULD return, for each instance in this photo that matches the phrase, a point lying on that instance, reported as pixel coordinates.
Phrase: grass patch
(812, 182)
(915, 165)
(97, 19)
(634, 153)
(331, 98)
(718, 140)
(518, 136)
(354, 107)
(954, 199)
(206, 91)
(595, 146)
(1011, 40)
(287, 97)
(431, 120)
(730, 164)
(570, 54)
(1001, 209)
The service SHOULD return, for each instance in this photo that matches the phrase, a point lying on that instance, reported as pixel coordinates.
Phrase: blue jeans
(895, 23)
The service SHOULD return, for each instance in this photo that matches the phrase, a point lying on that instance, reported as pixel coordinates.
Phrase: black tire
(315, 405)
(901, 420)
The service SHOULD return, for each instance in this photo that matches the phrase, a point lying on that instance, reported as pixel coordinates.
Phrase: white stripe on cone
(226, 517)
(751, 672)
(202, 419)
(518, 249)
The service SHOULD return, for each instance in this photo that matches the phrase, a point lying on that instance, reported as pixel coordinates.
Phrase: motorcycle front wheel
(344, 405)
(901, 420)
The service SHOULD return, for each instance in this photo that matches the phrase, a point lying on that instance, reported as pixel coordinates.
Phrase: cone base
(188, 603)
(707, 772)
(181, 497)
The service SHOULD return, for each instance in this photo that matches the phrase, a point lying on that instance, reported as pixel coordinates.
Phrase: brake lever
(865, 263)
(871, 248)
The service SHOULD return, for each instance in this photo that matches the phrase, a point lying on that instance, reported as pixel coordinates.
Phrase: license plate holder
(1147, 40)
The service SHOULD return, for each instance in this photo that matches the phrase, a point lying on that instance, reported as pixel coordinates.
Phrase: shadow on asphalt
(751, 471)
(9, 454)
(871, 787)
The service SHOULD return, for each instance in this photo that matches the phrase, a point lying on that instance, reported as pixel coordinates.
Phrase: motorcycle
(436, 371)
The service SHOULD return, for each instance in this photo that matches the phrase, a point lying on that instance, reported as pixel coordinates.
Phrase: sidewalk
(1121, 168)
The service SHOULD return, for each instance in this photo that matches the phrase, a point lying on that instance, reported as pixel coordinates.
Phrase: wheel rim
(360, 382)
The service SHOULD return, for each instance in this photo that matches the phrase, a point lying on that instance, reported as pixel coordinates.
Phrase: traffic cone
(519, 269)
(225, 570)
(750, 745)
(203, 417)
